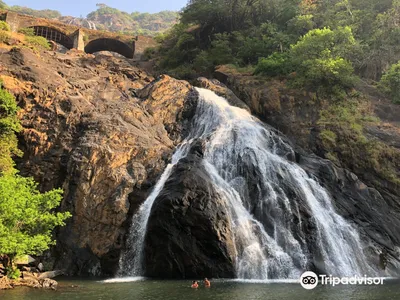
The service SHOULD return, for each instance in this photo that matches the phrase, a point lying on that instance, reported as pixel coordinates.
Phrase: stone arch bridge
(83, 39)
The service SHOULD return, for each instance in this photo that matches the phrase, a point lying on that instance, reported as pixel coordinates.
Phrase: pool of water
(220, 290)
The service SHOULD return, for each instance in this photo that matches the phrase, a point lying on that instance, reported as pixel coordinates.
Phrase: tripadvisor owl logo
(309, 280)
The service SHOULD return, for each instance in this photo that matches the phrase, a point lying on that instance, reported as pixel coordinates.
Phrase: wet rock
(51, 274)
(363, 206)
(365, 199)
(48, 283)
(189, 234)
(221, 90)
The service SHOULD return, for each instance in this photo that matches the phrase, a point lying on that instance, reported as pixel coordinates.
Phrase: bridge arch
(107, 44)
(55, 35)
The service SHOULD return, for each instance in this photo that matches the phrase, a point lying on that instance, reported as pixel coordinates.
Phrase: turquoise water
(220, 290)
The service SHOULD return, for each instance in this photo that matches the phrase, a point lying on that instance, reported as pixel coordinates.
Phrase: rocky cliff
(104, 130)
(86, 130)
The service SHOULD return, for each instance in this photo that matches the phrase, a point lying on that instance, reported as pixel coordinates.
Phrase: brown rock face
(5, 283)
(88, 133)
(221, 90)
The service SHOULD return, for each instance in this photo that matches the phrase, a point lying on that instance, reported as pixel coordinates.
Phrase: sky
(79, 8)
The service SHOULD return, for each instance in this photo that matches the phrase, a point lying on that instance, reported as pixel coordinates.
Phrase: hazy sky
(83, 7)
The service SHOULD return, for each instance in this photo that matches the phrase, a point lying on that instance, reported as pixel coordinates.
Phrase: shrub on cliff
(274, 65)
(9, 125)
(4, 26)
(4, 36)
(390, 83)
(344, 141)
(149, 53)
(320, 62)
(32, 39)
(27, 31)
(38, 41)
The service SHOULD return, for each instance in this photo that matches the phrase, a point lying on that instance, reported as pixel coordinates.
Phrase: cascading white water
(132, 260)
(265, 193)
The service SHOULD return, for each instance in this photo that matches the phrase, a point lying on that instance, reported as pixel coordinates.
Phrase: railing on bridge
(54, 35)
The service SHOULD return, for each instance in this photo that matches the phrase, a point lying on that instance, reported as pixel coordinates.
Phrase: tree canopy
(390, 82)
(26, 216)
(365, 34)
(319, 60)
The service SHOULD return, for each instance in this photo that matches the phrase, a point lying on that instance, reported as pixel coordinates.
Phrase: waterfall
(132, 260)
(267, 196)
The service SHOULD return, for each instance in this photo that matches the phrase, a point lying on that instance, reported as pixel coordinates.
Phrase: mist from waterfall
(267, 196)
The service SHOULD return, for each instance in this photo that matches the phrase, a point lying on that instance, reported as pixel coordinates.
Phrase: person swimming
(195, 285)
(207, 283)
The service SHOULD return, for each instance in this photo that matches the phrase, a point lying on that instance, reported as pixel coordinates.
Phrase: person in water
(207, 283)
(195, 285)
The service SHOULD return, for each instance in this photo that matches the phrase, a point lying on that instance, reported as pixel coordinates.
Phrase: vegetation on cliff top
(45, 13)
(27, 216)
(218, 32)
(136, 23)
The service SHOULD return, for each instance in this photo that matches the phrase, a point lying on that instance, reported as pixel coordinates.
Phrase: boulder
(48, 283)
(40, 267)
(5, 283)
(189, 234)
(50, 274)
(221, 90)
(29, 275)
(24, 260)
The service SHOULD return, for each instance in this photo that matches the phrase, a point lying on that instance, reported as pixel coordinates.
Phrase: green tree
(4, 26)
(274, 65)
(320, 62)
(258, 28)
(203, 63)
(9, 125)
(26, 216)
(390, 83)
